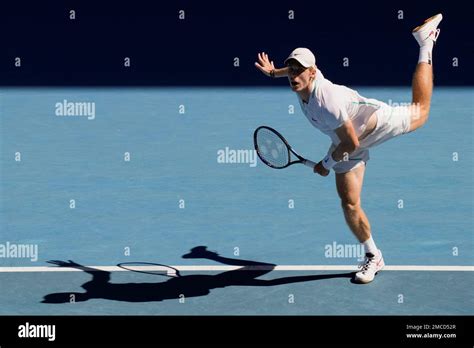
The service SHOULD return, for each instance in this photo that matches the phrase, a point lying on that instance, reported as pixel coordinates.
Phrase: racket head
(150, 268)
(272, 148)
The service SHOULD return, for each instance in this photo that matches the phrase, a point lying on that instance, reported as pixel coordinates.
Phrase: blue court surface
(152, 173)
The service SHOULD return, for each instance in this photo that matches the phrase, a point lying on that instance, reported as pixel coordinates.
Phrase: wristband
(328, 162)
(272, 73)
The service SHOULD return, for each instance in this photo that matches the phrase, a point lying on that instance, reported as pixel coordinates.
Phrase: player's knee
(350, 206)
(425, 113)
(419, 117)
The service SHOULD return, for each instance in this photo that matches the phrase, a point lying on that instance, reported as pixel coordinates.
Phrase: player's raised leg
(349, 187)
(422, 85)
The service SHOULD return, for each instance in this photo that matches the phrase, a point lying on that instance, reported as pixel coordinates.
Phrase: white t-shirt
(331, 105)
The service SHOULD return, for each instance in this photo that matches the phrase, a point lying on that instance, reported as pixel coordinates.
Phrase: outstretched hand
(319, 169)
(264, 64)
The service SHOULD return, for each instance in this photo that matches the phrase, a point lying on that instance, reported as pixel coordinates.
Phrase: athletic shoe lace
(364, 266)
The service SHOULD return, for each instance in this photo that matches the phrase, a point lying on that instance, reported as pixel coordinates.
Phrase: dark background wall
(200, 50)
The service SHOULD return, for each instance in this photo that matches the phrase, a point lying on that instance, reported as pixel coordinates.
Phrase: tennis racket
(150, 268)
(273, 149)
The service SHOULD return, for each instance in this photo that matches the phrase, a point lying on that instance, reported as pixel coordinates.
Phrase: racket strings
(272, 149)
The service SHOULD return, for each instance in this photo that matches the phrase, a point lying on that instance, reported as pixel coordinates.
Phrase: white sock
(370, 247)
(425, 52)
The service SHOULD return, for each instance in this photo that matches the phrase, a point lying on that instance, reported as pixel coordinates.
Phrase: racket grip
(309, 163)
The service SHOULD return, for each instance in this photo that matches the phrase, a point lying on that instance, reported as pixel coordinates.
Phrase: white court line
(230, 268)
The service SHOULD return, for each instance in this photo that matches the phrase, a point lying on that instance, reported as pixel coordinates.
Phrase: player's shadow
(100, 287)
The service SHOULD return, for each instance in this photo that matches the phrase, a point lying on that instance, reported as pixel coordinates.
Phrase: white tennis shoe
(369, 268)
(428, 30)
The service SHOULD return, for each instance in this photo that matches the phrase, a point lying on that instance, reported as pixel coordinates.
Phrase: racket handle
(309, 163)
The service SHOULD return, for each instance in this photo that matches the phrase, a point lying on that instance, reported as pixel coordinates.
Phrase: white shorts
(392, 121)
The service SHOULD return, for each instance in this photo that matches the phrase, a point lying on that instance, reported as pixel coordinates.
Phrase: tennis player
(355, 124)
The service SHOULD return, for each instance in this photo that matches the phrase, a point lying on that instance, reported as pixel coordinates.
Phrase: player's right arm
(266, 66)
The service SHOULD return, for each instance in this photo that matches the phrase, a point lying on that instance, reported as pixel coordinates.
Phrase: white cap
(304, 56)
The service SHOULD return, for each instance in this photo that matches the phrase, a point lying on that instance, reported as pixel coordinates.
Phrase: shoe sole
(426, 22)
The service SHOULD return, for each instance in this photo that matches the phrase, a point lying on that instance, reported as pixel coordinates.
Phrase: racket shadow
(193, 285)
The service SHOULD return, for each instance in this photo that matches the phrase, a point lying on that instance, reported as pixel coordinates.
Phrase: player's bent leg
(349, 187)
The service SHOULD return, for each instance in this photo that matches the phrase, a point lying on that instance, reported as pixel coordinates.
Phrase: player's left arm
(349, 143)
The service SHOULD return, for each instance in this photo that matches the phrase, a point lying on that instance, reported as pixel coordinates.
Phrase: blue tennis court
(147, 174)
